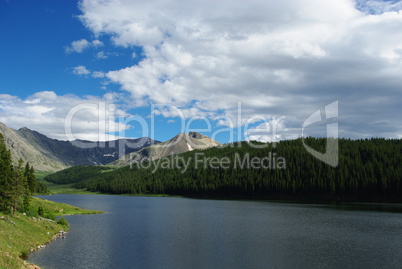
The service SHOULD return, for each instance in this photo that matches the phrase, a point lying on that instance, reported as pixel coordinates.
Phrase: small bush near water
(63, 222)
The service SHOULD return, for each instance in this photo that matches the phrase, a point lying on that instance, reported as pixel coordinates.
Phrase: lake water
(159, 232)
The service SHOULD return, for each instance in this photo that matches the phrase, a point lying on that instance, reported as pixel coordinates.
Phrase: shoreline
(24, 233)
(56, 236)
(305, 199)
(392, 206)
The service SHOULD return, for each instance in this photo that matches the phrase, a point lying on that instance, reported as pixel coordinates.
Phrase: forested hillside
(76, 173)
(17, 184)
(367, 169)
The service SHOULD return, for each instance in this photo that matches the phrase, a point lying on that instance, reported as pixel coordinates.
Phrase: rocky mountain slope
(47, 154)
(178, 144)
(21, 148)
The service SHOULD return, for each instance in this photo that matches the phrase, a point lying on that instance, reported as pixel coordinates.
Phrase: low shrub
(24, 254)
(49, 215)
(41, 212)
(63, 222)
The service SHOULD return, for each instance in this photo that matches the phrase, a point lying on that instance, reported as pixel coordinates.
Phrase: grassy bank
(66, 189)
(21, 234)
(60, 188)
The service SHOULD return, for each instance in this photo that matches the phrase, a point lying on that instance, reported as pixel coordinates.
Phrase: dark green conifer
(6, 173)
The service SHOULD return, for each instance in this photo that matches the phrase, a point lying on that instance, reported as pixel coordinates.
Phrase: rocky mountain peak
(179, 144)
(195, 135)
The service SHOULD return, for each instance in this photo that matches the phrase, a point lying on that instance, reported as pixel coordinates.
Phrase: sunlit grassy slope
(20, 234)
(60, 188)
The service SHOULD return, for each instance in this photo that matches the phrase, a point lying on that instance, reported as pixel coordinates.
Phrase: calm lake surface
(159, 232)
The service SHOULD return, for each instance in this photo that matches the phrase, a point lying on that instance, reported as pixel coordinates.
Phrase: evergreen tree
(18, 187)
(31, 179)
(368, 169)
(30, 186)
(6, 173)
(41, 188)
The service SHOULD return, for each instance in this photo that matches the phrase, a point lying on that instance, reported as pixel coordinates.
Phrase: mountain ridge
(178, 144)
(48, 154)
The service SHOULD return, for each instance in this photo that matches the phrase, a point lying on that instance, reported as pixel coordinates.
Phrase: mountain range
(47, 154)
(178, 144)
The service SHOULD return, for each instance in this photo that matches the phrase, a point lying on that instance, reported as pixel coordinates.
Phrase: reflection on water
(157, 232)
(393, 208)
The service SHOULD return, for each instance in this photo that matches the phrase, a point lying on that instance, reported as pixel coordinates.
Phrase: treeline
(367, 169)
(76, 173)
(17, 184)
(41, 188)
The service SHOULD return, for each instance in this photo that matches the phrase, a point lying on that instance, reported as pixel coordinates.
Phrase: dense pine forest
(17, 184)
(368, 169)
(76, 173)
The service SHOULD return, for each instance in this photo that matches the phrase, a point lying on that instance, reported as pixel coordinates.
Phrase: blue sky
(33, 58)
(276, 62)
(35, 35)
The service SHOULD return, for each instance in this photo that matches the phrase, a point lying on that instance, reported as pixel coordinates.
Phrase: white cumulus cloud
(81, 70)
(98, 74)
(79, 46)
(92, 118)
(101, 55)
(378, 6)
(287, 57)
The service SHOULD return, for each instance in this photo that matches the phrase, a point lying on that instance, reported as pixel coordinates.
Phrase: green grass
(66, 189)
(60, 188)
(108, 170)
(69, 189)
(60, 209)
(42, 174)
(20, 234)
